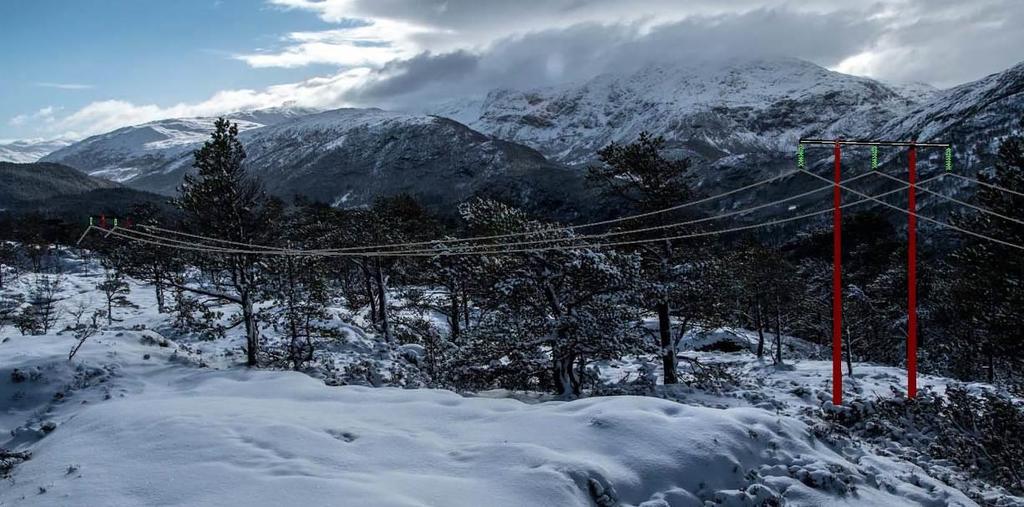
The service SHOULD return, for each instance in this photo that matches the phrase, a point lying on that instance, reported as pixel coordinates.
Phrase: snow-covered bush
(979, 432)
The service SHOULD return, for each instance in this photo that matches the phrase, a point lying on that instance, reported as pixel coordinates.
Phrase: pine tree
(222, 201)
(639, 174)
(298, 292)
(115, 291)
(142, 261)
(988, 291)
(566, 307)
(8, 261)
(43, 308)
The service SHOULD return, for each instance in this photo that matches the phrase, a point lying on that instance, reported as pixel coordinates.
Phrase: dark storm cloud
(582, 51)
(422, 71)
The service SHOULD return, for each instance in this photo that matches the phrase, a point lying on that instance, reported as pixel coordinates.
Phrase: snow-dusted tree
(8, 311)
(43, 310)
(297, 290)
(222, 201)
(8, 262)
(987, 286)
(457, 276)
(573, 305)
(639, 174)
(115, 291)
(763, 285)
(142, 261)
(392, 220)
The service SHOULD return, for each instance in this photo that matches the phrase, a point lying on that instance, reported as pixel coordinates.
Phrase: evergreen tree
(43, 310)
(8, 262)
(222, 201)
(115, 291)
(640, 175)
(149, 263)
(298, 291)
(988, 284)
(567, 307)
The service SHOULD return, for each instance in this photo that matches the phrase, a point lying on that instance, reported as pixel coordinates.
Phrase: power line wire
(516, 234)
(584, 237)
(986, 184)
(958, 201)
(466, 248)
(922, 217)
(496, 252)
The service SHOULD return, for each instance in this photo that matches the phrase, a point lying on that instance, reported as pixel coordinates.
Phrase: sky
(73, 68)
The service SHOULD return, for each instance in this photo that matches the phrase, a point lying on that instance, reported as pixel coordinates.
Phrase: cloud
(405, 53)
(107, 115)
(580, 52)
(943, 42)
(44, 117)
(361, 44)
(65, 86)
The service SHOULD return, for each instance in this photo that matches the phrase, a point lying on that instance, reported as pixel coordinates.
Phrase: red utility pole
(837, 276)
(912, 277)
(837, 285)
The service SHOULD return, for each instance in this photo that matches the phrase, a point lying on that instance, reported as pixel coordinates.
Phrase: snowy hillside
(347, 157)
(155, 147)
(711, 109)
(29, 150)
(138, 418)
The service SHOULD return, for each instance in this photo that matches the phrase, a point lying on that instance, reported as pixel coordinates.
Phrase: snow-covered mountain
(26, 182)
(26, 151)
(738, 120)
(708, 110)
(131, 152)
(347, 157)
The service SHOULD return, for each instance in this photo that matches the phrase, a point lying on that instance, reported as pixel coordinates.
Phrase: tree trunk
(158, 286)
(759, 322)
(778, 332)
(454, 310)
(369, 294)
(465, 307)
(849, 353)
(668, 346)
(566, 385)
(383, 293)
(252, 340)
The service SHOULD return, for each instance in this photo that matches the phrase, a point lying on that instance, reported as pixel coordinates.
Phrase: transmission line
(509, 235)
(986, 184)
(922, 217)
(577, 238)
(958, 201)
(495, 252)
(468, 248)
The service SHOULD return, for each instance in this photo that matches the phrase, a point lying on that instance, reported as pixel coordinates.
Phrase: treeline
(542, 303)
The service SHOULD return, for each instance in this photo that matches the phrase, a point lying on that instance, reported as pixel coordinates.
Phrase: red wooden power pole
(912, 276)
(837, 282)
(837, 272)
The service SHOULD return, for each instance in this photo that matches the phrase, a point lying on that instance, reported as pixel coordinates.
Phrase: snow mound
(188, 436)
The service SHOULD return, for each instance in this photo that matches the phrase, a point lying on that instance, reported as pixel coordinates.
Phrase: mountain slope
(26, 182)
(130, 152)
(28, 151)
(708, 110)
(57, 190)
(347, 157)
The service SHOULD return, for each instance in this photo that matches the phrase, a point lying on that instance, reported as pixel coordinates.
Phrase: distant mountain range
(737, 120)
(29, 150)
(61, 190)
(710, 111)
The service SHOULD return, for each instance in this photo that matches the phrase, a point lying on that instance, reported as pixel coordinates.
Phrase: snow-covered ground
(138, 418)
